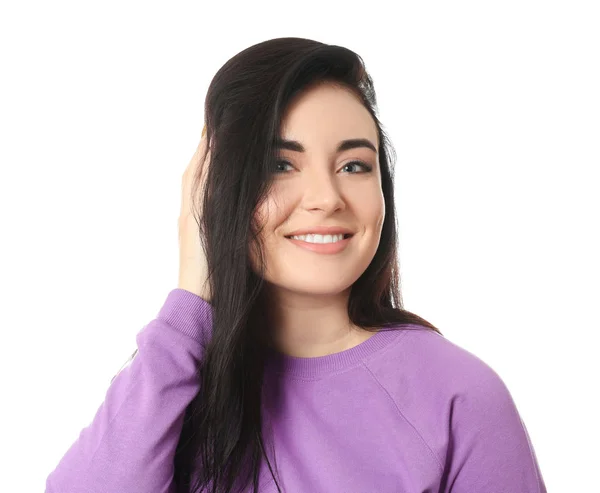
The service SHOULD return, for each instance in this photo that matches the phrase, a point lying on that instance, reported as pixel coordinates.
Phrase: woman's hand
(193, 267)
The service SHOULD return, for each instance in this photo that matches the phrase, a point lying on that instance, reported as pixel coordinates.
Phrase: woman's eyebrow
(344, 145)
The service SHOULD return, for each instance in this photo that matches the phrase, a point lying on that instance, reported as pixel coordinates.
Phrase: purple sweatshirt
(404, 411)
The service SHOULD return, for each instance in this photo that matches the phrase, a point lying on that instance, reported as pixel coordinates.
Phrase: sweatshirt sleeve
(490, 449)
(129, 447)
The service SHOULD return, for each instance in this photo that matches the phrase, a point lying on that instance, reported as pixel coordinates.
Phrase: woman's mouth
(326, 248)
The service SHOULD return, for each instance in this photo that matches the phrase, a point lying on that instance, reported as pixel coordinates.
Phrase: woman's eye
(367, 168)
(280, 163)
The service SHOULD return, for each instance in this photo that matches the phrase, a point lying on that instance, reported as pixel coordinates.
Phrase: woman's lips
(326, 248)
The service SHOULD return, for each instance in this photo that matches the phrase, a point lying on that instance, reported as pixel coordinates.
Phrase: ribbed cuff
(188, 313)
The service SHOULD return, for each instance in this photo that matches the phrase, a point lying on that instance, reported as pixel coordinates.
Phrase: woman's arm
(490, 449)
(131, 442)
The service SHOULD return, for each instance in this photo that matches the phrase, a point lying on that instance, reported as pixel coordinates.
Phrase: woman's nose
(321, 191)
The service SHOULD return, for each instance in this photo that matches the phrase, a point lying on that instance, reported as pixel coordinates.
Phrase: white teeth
(319, 238)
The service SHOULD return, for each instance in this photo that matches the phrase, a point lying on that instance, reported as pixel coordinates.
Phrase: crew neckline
(319, 366)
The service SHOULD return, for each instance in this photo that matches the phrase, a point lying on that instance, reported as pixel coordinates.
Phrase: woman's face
(321, 186)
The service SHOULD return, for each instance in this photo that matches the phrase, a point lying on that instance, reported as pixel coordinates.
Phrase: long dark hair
(221, 443)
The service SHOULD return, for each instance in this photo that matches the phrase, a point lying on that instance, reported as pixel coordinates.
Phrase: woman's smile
(326, 248)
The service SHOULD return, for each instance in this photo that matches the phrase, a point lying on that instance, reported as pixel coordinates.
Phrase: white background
(494, 111)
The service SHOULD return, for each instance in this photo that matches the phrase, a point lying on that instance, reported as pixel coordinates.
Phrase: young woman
(284, 360)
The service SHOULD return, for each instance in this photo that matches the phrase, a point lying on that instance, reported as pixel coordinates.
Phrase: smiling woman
(303, 372)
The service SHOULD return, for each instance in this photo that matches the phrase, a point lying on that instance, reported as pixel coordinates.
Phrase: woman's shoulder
(433, 364)
(432, 381)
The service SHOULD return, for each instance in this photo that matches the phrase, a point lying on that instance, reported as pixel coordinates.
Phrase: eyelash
(368, 168)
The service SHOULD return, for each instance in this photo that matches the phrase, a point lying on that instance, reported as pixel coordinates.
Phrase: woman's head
(258, 191)
(318, 95)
